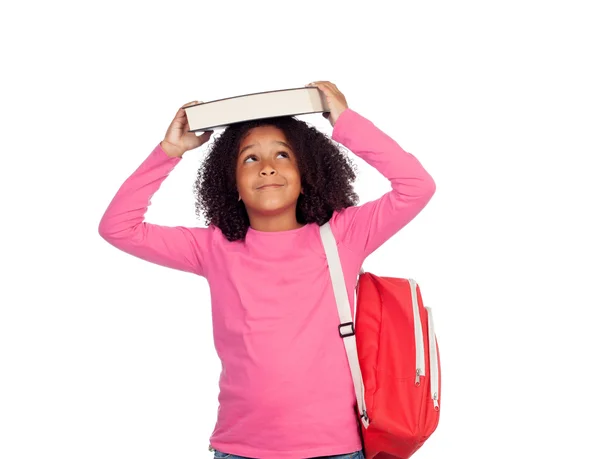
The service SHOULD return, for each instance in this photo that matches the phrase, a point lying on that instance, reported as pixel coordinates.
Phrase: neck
(271, 223)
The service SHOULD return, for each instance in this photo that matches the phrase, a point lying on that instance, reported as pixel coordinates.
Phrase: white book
(218, 114)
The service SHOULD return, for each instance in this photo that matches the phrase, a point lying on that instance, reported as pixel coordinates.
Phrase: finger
(333, 88)
(319, 85)
(191, 103)
(326, 86)
(181, 111)
(204, 136)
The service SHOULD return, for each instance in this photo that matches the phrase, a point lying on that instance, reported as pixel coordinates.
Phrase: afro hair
(326, 175)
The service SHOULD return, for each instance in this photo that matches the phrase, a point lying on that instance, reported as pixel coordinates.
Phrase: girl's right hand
(177, 139)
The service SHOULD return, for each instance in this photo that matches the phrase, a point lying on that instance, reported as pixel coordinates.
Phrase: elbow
(428, 187)
(432, 187)
(103, 230)
(120, 235)
(109, 226)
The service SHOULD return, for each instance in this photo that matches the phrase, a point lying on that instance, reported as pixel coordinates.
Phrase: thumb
(194, 102)
(204, 137)
(181, 111)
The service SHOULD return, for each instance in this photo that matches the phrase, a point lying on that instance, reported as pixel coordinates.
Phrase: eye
(284, 153)
(249, 157)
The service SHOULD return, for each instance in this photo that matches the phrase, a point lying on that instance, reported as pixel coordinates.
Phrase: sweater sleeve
(123, 225)
(366, 227)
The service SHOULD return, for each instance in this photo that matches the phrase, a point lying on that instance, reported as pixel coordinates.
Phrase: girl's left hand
(335, 99)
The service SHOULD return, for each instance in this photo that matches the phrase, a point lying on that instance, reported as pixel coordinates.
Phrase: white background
(103, 355)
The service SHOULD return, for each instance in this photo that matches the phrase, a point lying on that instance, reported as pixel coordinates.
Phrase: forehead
(263, 135)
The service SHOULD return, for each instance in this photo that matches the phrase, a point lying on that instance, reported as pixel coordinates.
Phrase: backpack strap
(346, 327)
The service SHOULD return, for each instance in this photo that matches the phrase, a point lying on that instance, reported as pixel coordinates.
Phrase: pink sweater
(285, 386)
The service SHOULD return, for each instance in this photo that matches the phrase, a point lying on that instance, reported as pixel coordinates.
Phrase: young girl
(286, 390)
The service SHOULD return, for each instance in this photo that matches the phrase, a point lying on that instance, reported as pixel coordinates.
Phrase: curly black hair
(326, 175)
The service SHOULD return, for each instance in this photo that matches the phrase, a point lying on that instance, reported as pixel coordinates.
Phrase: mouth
(268, 187)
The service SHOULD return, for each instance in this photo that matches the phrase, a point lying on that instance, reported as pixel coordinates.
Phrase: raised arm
(123, 225)
(365, 227)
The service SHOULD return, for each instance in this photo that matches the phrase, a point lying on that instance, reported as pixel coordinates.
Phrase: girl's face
(267, 175)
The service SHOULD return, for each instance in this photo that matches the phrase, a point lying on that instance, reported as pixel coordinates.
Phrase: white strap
(346, 328)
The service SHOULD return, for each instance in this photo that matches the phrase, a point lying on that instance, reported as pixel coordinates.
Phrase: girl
(286, 390)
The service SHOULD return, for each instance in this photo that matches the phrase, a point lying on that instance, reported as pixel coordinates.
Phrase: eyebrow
(253, 145)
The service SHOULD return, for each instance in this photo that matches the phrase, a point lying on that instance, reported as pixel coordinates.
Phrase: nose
(267, 171)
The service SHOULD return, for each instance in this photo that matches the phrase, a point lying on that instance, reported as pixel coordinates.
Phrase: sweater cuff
(340, 125)
(159, 151)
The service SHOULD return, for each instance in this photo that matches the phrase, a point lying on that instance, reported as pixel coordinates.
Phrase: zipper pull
(436, 405)
(417, 380)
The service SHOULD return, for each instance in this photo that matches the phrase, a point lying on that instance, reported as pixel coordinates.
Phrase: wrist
(171, 150)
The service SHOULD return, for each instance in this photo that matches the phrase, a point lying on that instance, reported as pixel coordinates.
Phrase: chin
(273, 208)
(270, 210)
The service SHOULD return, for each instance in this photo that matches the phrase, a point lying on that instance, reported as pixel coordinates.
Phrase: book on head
(218, 114)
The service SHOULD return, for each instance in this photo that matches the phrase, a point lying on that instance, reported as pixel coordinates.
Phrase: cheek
(293, 176)
(242, 175)
(242, 180)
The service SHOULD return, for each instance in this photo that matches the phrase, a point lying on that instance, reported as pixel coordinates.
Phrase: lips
(269, 186)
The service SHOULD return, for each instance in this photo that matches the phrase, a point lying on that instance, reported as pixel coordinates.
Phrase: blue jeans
(355, 455)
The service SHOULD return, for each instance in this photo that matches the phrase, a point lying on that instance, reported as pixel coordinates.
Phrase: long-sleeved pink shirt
(286, 390)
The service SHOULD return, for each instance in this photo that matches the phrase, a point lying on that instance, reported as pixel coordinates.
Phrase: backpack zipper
(433, 360)
(419, 345)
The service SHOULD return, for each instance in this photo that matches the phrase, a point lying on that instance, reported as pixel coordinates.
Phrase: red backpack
(393, 355)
